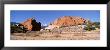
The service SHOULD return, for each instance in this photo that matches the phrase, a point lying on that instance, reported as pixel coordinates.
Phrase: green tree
(18, 29)
(88, 26)
(97, 24)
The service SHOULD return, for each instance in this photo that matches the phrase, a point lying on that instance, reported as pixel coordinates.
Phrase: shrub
(92, 26)
(17, 29)
(88, 26)
(97, 24)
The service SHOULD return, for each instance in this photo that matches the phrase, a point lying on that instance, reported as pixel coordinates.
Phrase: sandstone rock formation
(31, 24)
(68, 21)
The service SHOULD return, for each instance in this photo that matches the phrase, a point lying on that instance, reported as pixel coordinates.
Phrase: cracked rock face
(69, 21)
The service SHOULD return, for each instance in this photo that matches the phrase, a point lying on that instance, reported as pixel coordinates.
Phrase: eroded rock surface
(69, 21)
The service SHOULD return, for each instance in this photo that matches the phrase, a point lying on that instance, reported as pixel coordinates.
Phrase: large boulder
(31, 24)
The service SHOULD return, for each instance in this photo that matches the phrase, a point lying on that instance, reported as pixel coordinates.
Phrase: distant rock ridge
(69, 21)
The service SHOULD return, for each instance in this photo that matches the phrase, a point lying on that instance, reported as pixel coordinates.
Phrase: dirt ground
(92, 35)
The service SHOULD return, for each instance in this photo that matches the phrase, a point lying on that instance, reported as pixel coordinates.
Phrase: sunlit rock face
(31, 24)
(69, 21)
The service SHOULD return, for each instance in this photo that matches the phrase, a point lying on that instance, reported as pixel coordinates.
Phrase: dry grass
(67, 33)
(56, 36)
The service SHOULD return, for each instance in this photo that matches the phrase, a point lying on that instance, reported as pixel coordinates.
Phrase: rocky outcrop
(52, 27)
(31, 24)
(68, 21)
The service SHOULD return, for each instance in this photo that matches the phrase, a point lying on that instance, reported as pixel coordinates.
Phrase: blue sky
(47, 16)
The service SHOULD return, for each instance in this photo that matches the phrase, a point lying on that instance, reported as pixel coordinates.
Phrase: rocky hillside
(69, 21)
(78, 28)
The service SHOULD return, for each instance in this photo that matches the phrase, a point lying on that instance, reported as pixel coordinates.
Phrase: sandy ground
(93, 35)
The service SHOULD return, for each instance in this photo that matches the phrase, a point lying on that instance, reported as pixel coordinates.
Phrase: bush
(89, 26)
(93, 28)
(17, 29)
(97, 24)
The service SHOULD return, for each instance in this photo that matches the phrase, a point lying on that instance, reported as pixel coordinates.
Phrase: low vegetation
(18, 29)
(92, 26)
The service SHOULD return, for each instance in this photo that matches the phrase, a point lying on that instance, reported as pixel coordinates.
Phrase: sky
(47, 16)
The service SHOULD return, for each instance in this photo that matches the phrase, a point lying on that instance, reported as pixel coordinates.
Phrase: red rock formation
(27, 24)
(31, 24)
(69, 21)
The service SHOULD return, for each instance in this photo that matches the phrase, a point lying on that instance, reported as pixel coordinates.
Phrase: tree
(88, 26)
(97, 24)
(18, 29)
